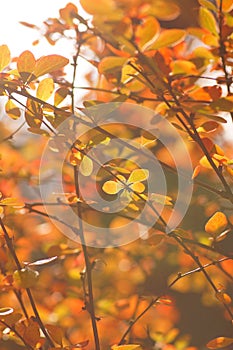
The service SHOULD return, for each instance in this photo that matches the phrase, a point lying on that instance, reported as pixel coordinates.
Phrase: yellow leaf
(111, 187)
(138, 175)
(45, 89)
(147, 32)
(169, 37)
(5, 56)
(219, 343)
(12, 110)
(207, 21)
(137, 187)
(60, 95)
(126, 347)
(86, 166)
(48, 64)
(216, 224)
(12, 202)
(111, 64)
(26, 64)
(128, 71)
(183, 67)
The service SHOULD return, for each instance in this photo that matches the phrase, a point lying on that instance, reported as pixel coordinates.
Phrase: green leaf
(45, 89)
(138, 175)
(207, 21)
(86, 166)
(169, 37)
(5, 56)
(147, 32)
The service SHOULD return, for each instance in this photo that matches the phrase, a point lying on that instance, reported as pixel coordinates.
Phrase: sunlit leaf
(223, 297)
(183, 67)
(33, 114)
(26, 64)
(216, 224)
(196, 171)
(45, 89)
(219, 343)
(5, 56)
(147, 32)
(208, 4)
(207, 21)
(6, 311)
(68, 13)
(86, 166)
(164, 10)
(111, 64)
(60, 95)
(12, 202)
(126, 347)
(137, 187)
(48, 64)
(128, 71)
(227, 5)
(12, 110)
(102, 7)
(138, 175)
(111, 187)
(43, 262)
(168, 37)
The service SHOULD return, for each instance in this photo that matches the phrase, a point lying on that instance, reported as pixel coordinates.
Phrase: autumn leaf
(45, 89)
(5, 56)
(219, 343)
(216, 224)
(169, 37)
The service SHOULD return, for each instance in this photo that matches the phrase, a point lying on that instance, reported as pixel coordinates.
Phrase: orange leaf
(147, 32)
(220, 342)
(196, 171)
(216, 224)
(223, 297)
(25, 64)
(48, 64)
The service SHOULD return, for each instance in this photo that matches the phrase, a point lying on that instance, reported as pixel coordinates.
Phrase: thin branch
(28, 291)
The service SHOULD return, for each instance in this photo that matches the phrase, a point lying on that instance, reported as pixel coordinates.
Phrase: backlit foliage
(164, 291)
